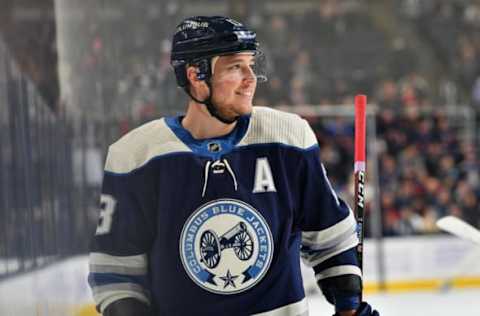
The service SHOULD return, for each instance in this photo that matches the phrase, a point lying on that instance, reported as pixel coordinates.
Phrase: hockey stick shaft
(360, 170)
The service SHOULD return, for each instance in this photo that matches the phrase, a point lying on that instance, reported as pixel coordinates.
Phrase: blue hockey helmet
(197, 39)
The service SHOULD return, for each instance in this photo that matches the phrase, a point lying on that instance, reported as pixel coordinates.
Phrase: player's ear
(192, 75)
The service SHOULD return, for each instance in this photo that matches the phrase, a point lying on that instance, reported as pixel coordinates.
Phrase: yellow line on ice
(88, 310)
(421, 285)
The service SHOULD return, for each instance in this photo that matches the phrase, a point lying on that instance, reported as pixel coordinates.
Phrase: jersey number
(107, 208)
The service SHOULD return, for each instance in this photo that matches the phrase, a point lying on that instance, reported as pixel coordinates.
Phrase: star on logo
(229, 279)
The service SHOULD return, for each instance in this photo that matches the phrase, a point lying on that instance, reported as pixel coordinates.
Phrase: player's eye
(234, 67)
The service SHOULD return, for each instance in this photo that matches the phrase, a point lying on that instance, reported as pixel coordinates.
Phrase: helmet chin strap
(212, 109)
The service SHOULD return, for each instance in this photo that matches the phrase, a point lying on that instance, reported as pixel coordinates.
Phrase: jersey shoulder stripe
(268, 125)
(140, 145)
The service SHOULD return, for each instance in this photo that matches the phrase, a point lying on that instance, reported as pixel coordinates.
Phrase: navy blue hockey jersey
(218, 226)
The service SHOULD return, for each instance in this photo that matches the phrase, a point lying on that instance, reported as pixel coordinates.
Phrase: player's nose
(249, 75)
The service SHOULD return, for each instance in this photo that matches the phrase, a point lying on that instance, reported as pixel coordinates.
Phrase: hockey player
(209, 213)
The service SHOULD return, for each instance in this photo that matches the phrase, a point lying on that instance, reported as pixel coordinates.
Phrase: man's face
(234, 84)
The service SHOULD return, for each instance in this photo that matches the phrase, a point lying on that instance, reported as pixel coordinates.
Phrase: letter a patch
(263, 177)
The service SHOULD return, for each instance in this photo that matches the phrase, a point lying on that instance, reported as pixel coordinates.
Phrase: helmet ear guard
(203, 71)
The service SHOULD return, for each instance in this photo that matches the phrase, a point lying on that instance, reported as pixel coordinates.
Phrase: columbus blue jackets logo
(226, 246)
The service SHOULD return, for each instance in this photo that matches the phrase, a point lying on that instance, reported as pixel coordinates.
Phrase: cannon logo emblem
(226, 246)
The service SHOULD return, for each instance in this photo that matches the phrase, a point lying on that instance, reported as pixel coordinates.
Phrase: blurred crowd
(452, 29)
(427, 168)
(321, 53)
(31, 37)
